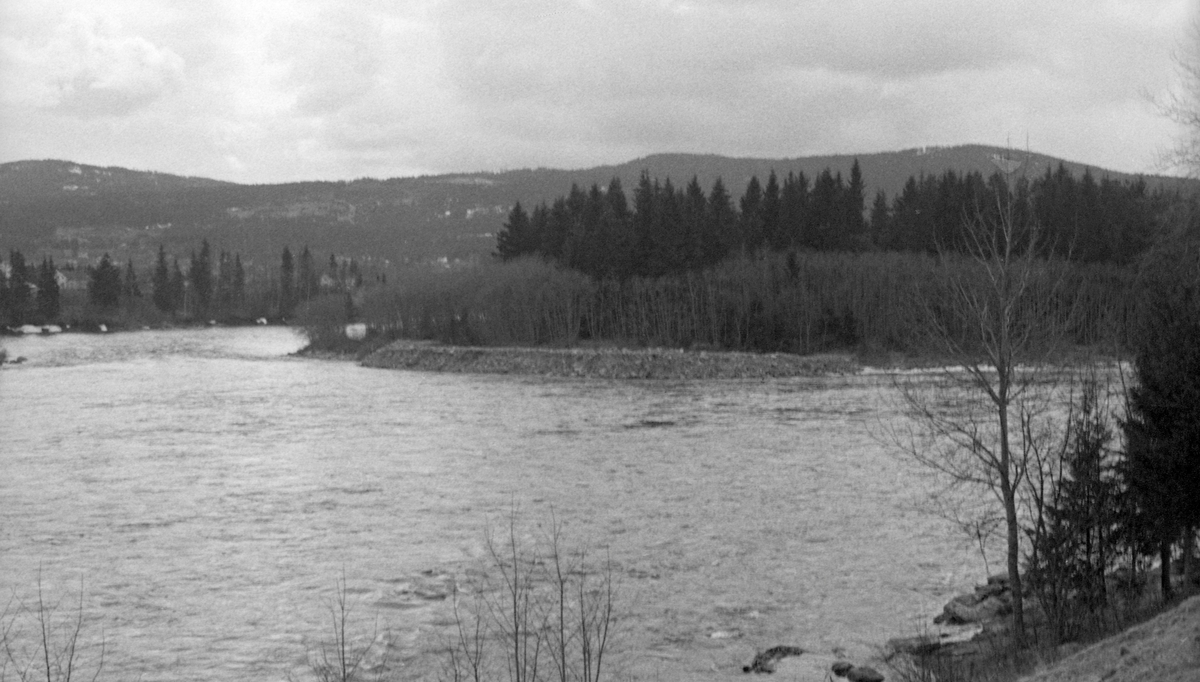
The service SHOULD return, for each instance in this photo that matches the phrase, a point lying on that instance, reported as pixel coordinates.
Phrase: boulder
(916, 646)
(864, 674)
(961, 612)
(991, 590)
(856, 673)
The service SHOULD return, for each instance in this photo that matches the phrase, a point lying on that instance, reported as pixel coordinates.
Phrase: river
(203, 491)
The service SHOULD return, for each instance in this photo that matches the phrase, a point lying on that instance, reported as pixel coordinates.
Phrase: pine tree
(5, 297)
(161, 283)
(239, 281)
(308, 279)
(720, 225)
(516, 237)
(772, 207)
(1163, 428)
(20, 305)
(880, 222)
(752, 216)
(48, 296)
(201, 280)
(287, 283)
(130, 289)
(104, 285)
(178, 287)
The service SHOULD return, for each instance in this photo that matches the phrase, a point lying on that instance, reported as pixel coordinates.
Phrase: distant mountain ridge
(27, 179)
(76, 211)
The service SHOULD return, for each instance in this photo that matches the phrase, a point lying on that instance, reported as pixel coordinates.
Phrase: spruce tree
(287, 283)
(772, 206)
(752, 216)
(308, 278)
(239, 281)
(130, 288)
(5, 297)
(880, 222)
(201, 280)
(104, 285)
(515, 237)
(161, 283)
(1163, 427)
(853, 203)
(48, 296)
(178, 287)
(20, 304)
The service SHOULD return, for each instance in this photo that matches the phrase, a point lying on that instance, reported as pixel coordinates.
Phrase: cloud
(317, 88)
(87, 67)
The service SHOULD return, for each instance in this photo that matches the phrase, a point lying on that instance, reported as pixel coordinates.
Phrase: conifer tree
(104, 285)
(239, 281)
(201, 280)
(751, 223)
(880, 221)
(853, 203)
(772, 206)
(161, 283)
(308, 280)
(516, 238)
(287, 283)
(130, 289)
(48, 294)
(5, 296)
(20, 305)
(178, 287)
(1162, 430)
(720, 230)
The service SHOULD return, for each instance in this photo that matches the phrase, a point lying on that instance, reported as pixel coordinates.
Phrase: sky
(266, 91)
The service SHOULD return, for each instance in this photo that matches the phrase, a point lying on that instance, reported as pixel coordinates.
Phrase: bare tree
(1183, 107)
(982, 422)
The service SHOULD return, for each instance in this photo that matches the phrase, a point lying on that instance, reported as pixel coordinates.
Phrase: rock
(840, 668)
(916, 646)
(985, 610)
(856, 673)
(991, 590)
(764, 661)
(864, 674)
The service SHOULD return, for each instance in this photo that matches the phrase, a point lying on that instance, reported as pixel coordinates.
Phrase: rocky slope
(605, 363)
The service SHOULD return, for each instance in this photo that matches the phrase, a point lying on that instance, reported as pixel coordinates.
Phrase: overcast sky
(279, 90)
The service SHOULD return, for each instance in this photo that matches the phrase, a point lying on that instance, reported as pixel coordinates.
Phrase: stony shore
(606, 362)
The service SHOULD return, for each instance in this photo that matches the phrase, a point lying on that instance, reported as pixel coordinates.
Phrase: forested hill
(75, 212)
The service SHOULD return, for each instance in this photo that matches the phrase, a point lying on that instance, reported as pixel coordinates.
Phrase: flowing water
(202, 492)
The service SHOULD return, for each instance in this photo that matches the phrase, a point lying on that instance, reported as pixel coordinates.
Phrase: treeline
(29, 294)
(798, 302)
(670, 230)
(207, 285)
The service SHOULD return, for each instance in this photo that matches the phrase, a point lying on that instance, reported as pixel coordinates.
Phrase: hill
(75, 212)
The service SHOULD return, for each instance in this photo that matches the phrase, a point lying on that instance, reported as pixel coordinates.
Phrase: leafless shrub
(539, 611)
(42, 641)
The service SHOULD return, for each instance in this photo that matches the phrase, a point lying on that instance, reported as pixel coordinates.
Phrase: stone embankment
(605, 363)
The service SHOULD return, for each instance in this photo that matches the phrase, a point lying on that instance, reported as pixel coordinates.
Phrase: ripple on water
(210, 492)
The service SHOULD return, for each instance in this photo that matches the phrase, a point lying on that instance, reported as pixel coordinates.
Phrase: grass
(997, 658)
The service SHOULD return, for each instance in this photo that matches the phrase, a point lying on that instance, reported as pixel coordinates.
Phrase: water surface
(207, 491)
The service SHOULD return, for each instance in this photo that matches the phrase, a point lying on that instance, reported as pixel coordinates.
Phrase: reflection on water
(208, 491)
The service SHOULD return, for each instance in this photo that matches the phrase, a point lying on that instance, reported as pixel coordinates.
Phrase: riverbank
(606, 362)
